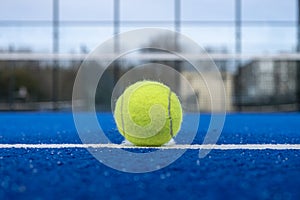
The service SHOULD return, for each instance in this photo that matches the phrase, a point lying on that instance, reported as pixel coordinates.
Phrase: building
(204, 95)
(266, 83)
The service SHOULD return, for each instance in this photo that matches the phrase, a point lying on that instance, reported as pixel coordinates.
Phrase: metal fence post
(298, 62)
(238, 49)
(55, 50)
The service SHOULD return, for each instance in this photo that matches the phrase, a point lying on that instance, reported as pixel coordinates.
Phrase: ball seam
(122, 115)
(169, 113)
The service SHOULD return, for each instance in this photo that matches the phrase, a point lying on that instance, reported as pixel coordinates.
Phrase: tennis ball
(148, 113)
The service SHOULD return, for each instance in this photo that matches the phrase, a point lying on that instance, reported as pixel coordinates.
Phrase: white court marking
(176, 146)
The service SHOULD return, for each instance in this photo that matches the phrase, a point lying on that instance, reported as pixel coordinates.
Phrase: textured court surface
(73, 173)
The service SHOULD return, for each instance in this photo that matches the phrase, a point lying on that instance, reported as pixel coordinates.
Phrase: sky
(275, 32)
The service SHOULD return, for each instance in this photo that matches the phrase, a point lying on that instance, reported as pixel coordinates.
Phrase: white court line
(177, 146)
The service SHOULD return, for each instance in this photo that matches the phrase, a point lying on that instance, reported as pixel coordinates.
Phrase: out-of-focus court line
(177, 146)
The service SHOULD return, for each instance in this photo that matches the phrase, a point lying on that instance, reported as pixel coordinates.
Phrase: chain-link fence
(41, 49)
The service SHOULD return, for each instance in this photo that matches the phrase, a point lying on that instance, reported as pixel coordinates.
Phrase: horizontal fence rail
(148, 56)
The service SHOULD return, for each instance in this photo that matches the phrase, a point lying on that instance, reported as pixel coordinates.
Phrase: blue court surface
(73, 173)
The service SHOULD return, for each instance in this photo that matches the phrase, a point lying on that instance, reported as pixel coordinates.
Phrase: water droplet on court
(106, 173)
(59, 163)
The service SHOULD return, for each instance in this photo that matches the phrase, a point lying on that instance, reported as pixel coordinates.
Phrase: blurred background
(255, 45)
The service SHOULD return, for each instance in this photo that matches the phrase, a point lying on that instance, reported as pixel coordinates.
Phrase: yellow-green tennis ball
(148, 113)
